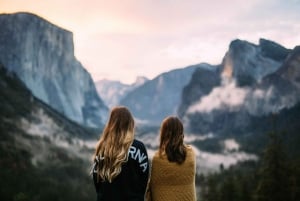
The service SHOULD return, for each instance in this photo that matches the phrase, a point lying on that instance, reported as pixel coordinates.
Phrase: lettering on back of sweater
(138, 155)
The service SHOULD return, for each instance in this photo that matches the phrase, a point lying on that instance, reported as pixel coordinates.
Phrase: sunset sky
(122, 39)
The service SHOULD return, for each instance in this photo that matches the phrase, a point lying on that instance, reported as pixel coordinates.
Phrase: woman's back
(131, 183)
(173, 181)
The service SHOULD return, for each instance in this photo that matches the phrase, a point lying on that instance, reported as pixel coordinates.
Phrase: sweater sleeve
(138, 152)
(145, 169)
(95, 177)
(144, 165)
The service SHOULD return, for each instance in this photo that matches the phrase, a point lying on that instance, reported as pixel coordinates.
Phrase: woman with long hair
(173, 166)
(121, 168)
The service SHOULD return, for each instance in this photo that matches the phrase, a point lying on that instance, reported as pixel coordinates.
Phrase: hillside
(155, 99)
(40, 154)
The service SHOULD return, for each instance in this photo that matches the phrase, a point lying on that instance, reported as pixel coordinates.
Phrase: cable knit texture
(172, 182)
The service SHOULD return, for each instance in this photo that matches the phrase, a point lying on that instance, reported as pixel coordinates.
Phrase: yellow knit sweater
(170, 181)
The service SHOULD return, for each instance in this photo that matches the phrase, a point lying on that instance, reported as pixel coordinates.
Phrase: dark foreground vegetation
(56, 175)
(275, 177)
(59, 178)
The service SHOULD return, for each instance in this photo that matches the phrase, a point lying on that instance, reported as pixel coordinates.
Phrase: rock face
(202, 82)
(112, 92)
(249, 63)
(290, 69)
(42, 56)
(284, 83)
(159, 97)
(253, 81)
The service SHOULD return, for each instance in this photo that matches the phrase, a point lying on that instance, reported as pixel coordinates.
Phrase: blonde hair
(114, 143)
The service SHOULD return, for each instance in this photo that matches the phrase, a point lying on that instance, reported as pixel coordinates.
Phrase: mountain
(42, 153)
(256, 82)
(159, 97)
(112, 92)
(42, 56)
(290, 70)
(249, 63)
(21, 110)
(202, 82)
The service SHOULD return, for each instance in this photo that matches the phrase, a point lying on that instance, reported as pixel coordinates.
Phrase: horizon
(121, 40)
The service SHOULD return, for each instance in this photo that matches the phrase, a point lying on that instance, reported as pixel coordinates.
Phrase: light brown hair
(171, 140)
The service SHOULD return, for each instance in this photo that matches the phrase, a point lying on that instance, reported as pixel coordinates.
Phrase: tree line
(275, 177)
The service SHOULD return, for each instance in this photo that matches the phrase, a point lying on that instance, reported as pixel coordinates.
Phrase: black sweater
(131, 183)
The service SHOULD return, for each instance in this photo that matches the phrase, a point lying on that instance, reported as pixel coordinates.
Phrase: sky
(123, 39)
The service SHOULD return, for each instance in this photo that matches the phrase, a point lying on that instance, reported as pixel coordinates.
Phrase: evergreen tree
(274, 174)
(243, 188)
(228, 190)
(209, 189)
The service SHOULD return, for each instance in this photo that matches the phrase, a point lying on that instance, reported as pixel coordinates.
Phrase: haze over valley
(53, 111)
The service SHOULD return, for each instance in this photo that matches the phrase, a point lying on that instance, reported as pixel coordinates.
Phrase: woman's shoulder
(190, 150)
(189, 147)
(137, 147)
(138, 144)
(157, 156)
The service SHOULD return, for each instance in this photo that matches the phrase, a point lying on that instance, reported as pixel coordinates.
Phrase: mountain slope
(159, 97)
(113, 91)
(42, 56)
(249, 90)
(202, 82)
(40, 160)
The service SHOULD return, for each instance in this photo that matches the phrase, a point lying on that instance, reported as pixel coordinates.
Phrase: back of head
(120, 120)
(112, 148)
(171, 140)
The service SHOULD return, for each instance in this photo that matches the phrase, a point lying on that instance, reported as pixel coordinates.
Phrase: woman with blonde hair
(121, 167)
(173, 166)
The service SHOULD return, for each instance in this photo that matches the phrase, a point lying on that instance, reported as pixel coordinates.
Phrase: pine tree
(274, 174)
(243, 188)
(209, 190)
(228, 190)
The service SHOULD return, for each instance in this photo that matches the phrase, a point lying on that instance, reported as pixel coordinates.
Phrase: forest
(275, 177)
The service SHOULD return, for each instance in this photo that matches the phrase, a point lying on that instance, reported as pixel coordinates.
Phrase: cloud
(230, 145)
(206, 161)
(270, 100)
(210, 162)
(255, 101)
(226, 96)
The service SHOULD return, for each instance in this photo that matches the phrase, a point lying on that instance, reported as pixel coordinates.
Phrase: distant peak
(141, 80)
(273, 50)
(239, 44)
(263, 41)
(27, 17)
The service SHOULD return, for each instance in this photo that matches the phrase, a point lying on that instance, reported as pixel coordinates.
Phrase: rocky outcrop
(273, 50)
(248, 63)
(202, 82)
(112, 92)
(255, 81)
(284, 83)
(159, 97)
(42, 56)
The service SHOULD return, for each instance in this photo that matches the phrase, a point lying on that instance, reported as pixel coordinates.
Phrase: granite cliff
(41, 54)
(252, 82)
